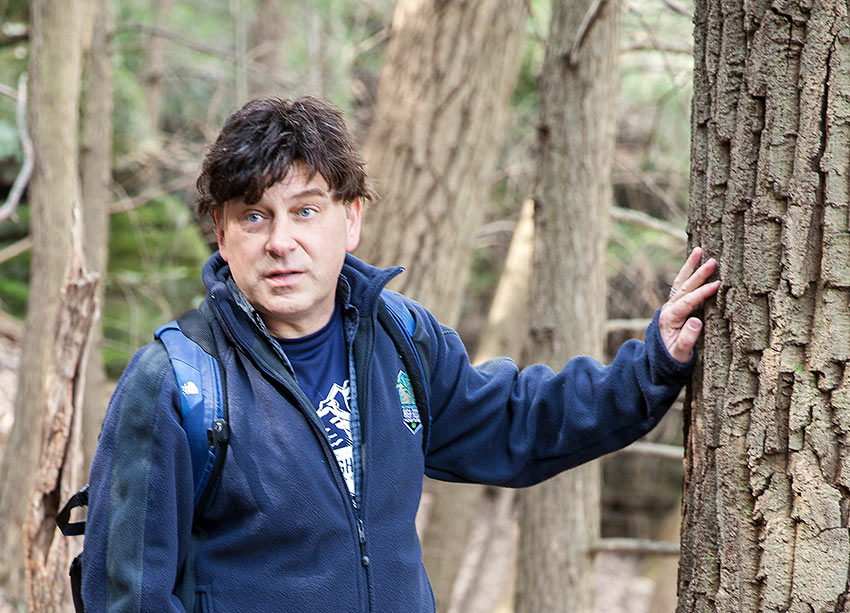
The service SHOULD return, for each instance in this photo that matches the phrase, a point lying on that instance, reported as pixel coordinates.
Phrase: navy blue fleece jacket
(280, 532)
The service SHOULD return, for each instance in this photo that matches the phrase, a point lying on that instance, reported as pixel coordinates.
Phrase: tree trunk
(240, 50)
(265, 46)
(767, 476)
(152, 78)
(489, 566)
(60, 467)
(55, 29)
(440, 116)
(559, 519)
(95, 176)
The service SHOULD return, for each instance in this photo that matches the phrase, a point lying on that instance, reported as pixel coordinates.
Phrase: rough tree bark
(95, 177)
(560, 518)
(440, 115)
(767, 472)
(55, 51)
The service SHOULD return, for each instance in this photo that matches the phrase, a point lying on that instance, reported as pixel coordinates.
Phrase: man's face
(286, 251)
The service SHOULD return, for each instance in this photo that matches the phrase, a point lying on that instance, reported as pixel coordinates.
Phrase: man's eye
(306, 212)
(254, 217)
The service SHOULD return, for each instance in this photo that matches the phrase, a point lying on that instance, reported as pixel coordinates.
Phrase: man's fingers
(688, 268)
(700, 275)
(683, 348)
(683, 306)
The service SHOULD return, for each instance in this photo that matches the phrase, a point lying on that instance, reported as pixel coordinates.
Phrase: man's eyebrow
(310, 191)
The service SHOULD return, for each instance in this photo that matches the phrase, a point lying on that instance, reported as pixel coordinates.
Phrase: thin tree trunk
(265, 46)
(315, 50)
(154, 73)
(560, 518)
(440, 116)
(240, 44)
(55, 52)
(95, 177)
(767, 477)
(506, 333)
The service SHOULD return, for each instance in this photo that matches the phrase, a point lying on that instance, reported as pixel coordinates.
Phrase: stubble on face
(286, 251)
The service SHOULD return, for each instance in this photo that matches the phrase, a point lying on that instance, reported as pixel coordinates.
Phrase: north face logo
(190, 389)
(409, 411)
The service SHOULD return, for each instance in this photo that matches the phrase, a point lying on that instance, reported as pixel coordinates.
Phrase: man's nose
(281, 238)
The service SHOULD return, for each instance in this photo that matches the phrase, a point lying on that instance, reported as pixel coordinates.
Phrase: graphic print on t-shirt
(335, 413)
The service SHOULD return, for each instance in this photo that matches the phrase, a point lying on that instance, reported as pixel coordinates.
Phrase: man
(315, 504)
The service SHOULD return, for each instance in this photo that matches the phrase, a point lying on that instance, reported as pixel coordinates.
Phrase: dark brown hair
(259, 143)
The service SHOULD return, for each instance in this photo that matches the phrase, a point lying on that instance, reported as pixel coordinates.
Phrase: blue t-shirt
(320, 361)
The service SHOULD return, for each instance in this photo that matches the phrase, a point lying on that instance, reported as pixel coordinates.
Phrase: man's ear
(353, 219)
(219, 232)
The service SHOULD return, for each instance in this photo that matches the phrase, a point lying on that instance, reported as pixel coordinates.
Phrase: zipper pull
(361, 534)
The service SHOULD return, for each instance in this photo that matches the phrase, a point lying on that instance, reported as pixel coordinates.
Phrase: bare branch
(11, 329)
(586, 21)
(127, 203)
(636, 546)
(16, 248)
(9, 92)
(676, 9)
(647, 221)
(678, 50)
(674, 452)
(13, 39)
(626, 325)
(11, 204)
(195, 45)
(369, 43)
(649, 184)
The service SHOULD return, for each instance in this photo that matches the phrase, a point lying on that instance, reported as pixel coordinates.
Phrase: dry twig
(11, 204)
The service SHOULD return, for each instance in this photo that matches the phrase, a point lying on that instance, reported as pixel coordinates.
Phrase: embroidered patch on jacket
(409, 412)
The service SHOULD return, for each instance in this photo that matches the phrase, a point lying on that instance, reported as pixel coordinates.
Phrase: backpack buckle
(217, 433)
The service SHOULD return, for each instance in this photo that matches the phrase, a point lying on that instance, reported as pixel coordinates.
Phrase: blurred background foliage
(333, 49)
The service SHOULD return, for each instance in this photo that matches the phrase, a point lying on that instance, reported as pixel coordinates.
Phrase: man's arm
(498, 424)
(140, 497)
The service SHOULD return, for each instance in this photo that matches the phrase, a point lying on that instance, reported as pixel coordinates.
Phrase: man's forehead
(301, 178)
(299, 182)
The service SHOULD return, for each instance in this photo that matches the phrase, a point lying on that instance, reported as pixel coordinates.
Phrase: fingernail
(694, 324)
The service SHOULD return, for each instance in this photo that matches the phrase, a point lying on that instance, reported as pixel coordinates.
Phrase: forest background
(179, 68)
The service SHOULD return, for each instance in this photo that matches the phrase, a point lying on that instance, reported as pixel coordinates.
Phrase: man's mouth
(282, 276)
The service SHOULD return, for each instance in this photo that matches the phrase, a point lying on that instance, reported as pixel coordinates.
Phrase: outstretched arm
(679, 330)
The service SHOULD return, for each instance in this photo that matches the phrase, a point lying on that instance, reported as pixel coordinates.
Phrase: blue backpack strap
(414, 348)
(202, 403)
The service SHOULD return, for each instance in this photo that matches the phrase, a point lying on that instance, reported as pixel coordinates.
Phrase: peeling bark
(60, 470)
(766, 478)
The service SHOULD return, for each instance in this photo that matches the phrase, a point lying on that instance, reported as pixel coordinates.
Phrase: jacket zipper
(351, 332)
(303, 403)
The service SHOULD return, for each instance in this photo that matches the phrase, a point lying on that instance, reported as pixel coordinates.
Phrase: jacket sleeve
(139, 518)
(500, 425)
